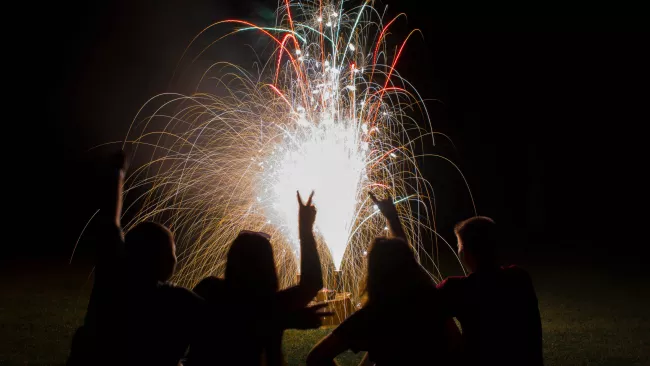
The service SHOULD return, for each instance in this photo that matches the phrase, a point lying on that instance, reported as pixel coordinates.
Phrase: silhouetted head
(250, 267)
(477, 242)
(151, 252)
(393, 271)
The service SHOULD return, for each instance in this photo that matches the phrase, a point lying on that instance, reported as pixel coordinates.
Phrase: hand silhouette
(386, 206)
(388, 209)
(110, 184)
(306, 213)
(307, 318)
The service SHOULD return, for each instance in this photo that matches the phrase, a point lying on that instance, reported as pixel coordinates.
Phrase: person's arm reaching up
(105, 310)
(114, 198)
(110, 244)
(325, 352)
(310, 317)
(311, 275)
(388, 209)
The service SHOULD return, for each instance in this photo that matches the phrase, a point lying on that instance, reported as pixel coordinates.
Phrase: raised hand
(306, 214)
(110, 180)
(386, 206)
(307, 318)
(119, 166)
(388, 209)
(311, 275)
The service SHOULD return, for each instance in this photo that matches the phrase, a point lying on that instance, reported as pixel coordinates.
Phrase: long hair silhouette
(250, 267)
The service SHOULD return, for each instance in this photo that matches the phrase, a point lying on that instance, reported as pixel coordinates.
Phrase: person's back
(161, 317)
(161, 324)
(497, 309)
(406, 332)
(248, 307)
(496, 306)
(400, 323)
(234, 329)
(99, 340)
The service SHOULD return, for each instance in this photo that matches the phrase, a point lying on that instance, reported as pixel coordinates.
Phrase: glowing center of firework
(328, 158)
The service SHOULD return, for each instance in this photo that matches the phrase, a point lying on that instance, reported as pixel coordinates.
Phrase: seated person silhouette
(99, 341)
(495, 305)
(134, 316)
(398, 323)
(247, 314)
(161, 316)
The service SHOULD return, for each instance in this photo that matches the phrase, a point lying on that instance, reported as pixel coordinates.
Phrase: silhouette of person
(396, 324)
(161, 316)
(248, 308)
(495, 305)
(133, 316)
(99, 340)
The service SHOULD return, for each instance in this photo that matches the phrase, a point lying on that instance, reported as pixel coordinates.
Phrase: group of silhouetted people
(136, 317)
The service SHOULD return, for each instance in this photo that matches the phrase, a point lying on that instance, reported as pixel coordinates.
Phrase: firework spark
(327, 112)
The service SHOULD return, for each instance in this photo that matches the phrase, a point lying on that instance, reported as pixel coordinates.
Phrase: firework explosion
(326, 112)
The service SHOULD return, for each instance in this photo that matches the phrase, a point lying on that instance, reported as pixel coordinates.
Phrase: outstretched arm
(388, 209)
(326, 350)
(353, 334)
(311, 276)
(310, 317)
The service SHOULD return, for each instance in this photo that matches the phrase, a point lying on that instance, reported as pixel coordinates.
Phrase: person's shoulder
(209, 287)
(211, 280)
(363, 315)
(360, 319)
(517, 276)
(451, 282)
(178, 295)
(365, 311)
(174, 290)
(513, 268)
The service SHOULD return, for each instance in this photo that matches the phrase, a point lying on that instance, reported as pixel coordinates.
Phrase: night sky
(546, 107)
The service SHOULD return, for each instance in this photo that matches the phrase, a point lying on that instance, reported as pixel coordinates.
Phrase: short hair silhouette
(478, 235)
(250, 266)
(151, 251)
(393, 271)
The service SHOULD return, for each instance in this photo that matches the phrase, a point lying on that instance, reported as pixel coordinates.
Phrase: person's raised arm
(388, 209)
(118, 170)
(310, 317)
(311, 275)
(325, 352)
(110, 244)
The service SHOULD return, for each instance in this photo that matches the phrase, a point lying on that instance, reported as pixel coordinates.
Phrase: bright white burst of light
(326, 158)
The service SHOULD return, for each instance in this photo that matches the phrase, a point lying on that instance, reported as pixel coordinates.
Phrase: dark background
(546, 106)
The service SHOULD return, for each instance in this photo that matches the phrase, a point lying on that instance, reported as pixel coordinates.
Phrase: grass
(587, 319)
(298, 343)
(594, 319)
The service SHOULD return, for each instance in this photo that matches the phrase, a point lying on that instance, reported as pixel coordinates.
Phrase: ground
(587, 319)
